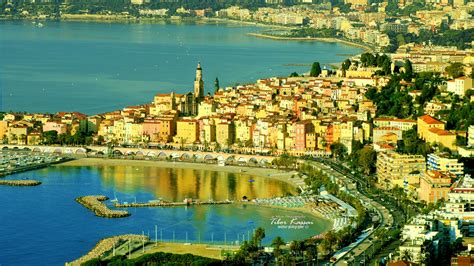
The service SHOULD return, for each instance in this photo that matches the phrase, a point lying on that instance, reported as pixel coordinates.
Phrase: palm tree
(258, 236)
(23, 139)
(312, 250)
(276, 243)
(406, 256)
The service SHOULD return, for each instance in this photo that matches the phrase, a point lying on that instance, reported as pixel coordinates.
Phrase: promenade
(355, 253)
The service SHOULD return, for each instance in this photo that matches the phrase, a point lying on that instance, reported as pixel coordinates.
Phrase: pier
(171, 204)
(95, 204)
(20, 183)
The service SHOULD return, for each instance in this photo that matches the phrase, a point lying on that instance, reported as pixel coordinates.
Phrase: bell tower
(198, 84)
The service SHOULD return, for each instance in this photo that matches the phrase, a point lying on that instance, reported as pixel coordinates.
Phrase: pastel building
(59, 127)
(225, 134)
(187, 131)
(443, 164)
(399, 169)
(459, 85)
(303, 128)
(434, 186)
(427, 122)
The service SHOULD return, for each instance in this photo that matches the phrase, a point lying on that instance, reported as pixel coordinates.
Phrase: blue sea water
(44, 225)
(96, 67)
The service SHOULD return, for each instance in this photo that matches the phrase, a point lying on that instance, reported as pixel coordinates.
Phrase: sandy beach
(282, 175)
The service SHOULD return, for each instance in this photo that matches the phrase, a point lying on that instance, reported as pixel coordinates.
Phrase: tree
(368, 59)
(455, 70)
(216, 85)
(338, 149)
(408, 69)
(312, 250)
(294, 74)
(315, 69)
(277, 243)
(258, 236)
(367, 158)
(346, 64)
(50, 137)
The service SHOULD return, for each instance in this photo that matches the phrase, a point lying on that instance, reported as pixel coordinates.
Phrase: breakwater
(170, 204)
(95, 204)
(20, 183)
(105, 246)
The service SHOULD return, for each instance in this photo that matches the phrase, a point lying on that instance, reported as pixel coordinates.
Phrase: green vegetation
(216, 85)
(80, 138)
(459, 38)
(315, 70)
(460, 116)
(394, 100)
(335, 240)
(455, 70)
(159, 258)
(411, 144)
(285, 161)
(294, 74)
(313, 33)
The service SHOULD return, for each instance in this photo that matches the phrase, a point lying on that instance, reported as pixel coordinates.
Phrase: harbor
(18, 161)
(95, 204)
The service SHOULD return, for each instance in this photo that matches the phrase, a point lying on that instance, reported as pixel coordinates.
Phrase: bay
(44, 225)
(94, 67)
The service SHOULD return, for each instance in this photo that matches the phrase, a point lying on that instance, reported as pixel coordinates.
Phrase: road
(356, 253)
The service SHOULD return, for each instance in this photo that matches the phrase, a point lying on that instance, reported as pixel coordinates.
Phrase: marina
(17, 161)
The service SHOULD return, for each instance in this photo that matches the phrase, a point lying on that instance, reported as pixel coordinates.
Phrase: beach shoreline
(317, 39)
(281, 175)
(275, 174)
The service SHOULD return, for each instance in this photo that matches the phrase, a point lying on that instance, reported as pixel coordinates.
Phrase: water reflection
(175, 184)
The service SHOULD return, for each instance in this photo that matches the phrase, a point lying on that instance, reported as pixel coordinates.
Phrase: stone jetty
(105, 246)
(20, 183)
(170, 204)
(95, 204)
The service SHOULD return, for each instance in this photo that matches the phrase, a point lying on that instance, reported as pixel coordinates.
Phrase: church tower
(198, 84)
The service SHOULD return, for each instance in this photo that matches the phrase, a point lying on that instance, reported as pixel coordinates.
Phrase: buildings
(433, 131)
(399, 169)
(422, 240)
(459, 85)
(443, 164)
(403, 124)
(435, 185)
(187, 131)
(460, 199)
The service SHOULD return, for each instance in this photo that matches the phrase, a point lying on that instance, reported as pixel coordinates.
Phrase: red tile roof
(430, 120)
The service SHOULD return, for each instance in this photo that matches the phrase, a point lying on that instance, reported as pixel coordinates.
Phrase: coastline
(281, 175)
(331, 40)
(196, 20)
